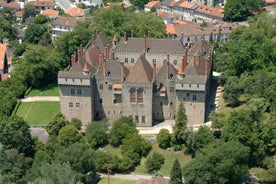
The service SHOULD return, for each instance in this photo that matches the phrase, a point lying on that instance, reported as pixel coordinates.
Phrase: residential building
(42, 5)
(3, 3)
(14, 6)
(142, 78)
(152, 4)
(270, 2)
(75, 12)
(168, 18)
(63, 24)
(50, 13)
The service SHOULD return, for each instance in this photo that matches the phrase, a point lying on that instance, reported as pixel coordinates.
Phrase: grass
(38, 113)
(110, 149)
(116, 181)
(169, 155)
(48, 91)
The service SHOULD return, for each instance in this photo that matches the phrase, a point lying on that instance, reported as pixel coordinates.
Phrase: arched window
(140, 96)
(132, 96)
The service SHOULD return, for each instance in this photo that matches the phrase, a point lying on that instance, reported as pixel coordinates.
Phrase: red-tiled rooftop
(186, 4)
(213, 11)
(75, 11)
(3, 50)
(50, 12)
(170, 29)
(13, 5)
(151, 4)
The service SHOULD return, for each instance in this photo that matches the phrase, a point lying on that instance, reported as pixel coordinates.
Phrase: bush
(164, 139)
(154, 162)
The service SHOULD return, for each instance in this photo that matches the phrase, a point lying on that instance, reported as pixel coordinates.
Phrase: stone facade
(143, 78)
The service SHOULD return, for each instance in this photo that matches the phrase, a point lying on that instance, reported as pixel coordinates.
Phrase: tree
(80, 157)
(218, 163)
(69, 135)
(204, 136)
(164, 138)
(54, 126)
(180, 123)
(96, 133)
(56, 173)
(154, 162)
(139, 3)
(232, 91)
(15, 134)
(76, 123)
(6, 29)
(134, 147)
(41, 19)
(120, 129)
(13, 166)
(29, 11)
(37, 33)
(176, 173)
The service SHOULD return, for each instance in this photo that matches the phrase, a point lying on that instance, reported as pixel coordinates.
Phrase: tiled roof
(50, 12)
(152, 4)
(163, 72)
(186, 4)
(113, 67)
(101, 42)
(152, 45)
(75, 11)
(13, 5)
(41, 3)
(3, 50)
(212, 11)
(270, 1)
(3, 2)
(66, 21)
(117, 86)
(141, 72)
(179, 22)
(170, 29)
(92, 55)
(175, 3)
(19, 14)
(166, 15)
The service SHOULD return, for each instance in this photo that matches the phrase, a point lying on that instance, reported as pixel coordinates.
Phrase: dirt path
(41, 98)
(131, 176)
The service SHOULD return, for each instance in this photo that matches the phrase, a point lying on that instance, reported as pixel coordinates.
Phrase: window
(132, 96)
(194, 97)
(114, 101)
(187, 94)
(110, 87)
(132, 60)
(126, 60)
(143, 119)
(171, 103)
(101, 86)
(72, 91)
(161, 103)
(197, 85)
(171, 89)
(101, 100)
(175, 62)
(79, 91)
(190, 85)
(136, 119)
(80, 80)
(140, 96)
(70, 104)
(77, 105)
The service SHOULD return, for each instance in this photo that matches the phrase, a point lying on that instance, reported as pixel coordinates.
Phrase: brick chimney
(201, 47)
(154, 70)
(168, 70)
(104, 67)
(107, 51)
(122, 71)
(145, 44)
(112, 55)
(168, 57)
(114, 40)
(100, 59)
(207, 65)
(181, 68)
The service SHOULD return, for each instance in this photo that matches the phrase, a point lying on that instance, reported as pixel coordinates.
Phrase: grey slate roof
(152, 45)
(162, 73)
(141, 72)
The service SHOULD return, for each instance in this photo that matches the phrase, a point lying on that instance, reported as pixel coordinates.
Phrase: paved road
(131, 176)
(65, 4)
(41, 98)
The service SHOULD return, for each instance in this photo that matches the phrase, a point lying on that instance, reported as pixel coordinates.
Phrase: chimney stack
(107, 51)
(132, 34)
(125, 38)
(104, 67)
(79, 54)
(122, 71)
(145, 44)
(112, 55)
(182, 37)
(154, 70)
(148, 34)
(168, 57)
(115, 40)
(168, 70)
(207, 65)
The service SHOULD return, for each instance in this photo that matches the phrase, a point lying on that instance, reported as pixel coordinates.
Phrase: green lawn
(38, 113)
(170, 156)
(116, 181)
(48, 91)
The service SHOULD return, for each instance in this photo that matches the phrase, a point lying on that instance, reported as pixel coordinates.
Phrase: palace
(143, 78)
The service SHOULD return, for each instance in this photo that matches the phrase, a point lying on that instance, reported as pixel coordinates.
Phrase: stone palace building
(143, 78)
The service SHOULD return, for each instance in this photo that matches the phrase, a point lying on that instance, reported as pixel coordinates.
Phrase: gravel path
(41, 98)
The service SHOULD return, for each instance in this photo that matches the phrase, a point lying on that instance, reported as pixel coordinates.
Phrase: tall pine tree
(176, 173)
(180, 123)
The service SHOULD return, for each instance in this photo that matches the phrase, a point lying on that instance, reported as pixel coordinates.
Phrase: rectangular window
(198, 86)
(136, 119)
(140, 97)
(110, 87)
(72, 91)
(70, 104)
(143, 119)
(101, 86)
(171, 89)
(79, 91)
(194, 97)
(190, 85)
(175, 62)
(77, 105)
(132, 60)
(126, 60)
(133, 97)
